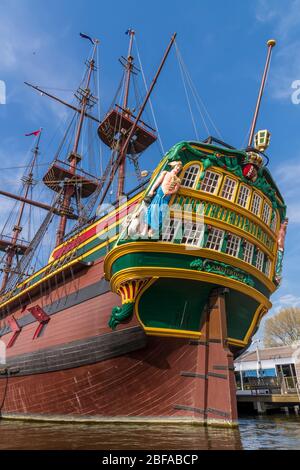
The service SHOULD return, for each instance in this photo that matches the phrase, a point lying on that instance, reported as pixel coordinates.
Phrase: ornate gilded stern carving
(128, 292)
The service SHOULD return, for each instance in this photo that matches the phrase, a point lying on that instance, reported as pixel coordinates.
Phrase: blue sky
(223, 46)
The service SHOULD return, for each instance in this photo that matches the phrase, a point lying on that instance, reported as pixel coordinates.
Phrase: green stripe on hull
(169, 260)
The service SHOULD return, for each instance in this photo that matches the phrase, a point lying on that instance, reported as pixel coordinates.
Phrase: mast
(129, 65)
(12, 248)
(74, 158)
(135, 125)
(271, 43)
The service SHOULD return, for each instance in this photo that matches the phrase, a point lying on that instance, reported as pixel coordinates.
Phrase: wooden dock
(262, 403)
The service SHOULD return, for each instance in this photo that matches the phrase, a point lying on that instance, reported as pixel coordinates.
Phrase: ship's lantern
(262, 140)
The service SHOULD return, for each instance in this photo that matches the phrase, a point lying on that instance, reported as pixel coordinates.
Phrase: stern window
(228, 188)
(233, 245)
(215, 239)
(266, 213)
(268, 267)
(193, 233)
(248, 252)
(274, 222)
(169, 230)
(259, 260)
(256, 203)
(210, 182)
(243, 196)
(190, 176)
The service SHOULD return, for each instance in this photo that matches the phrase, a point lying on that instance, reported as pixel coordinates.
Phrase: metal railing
(282, 385)
(289, 385)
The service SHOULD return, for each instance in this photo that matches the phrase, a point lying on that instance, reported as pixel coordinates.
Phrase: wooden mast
(129, 65)
(122, 153)
(12, 248)
(271, 43)
(74, 158)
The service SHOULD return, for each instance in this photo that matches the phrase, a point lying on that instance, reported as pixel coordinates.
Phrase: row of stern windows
(230, 189)
(203, 236)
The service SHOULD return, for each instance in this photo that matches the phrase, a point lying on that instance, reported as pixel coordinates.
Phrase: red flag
(34, 133)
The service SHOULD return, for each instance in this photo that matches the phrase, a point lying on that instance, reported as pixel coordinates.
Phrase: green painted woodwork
(170, 260)
(218, 212)
(121, 315)
(179, 304)
(232, 161)
(222, 269)
(174, 304)
(240, 310)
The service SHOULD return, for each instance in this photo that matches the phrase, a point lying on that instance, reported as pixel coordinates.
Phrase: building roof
(267, 353)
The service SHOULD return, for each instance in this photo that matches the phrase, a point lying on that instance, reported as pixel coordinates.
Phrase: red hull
(79, 369)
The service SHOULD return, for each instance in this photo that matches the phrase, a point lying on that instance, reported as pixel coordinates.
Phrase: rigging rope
(197, 99)
(150, 101)
(187, 96)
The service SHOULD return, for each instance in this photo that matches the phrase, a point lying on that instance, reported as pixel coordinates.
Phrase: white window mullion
(190, 176)
(248, 252)
(215, 239)
(256, 203)
(233, 245)
(243, 196)
(259, 260)
(210, 182)
(228, 188)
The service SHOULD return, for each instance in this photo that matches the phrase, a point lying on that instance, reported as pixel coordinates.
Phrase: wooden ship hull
(77, 368)
(171, 356)
(138, 315)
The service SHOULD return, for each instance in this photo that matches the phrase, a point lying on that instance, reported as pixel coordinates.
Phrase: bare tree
(284, 328)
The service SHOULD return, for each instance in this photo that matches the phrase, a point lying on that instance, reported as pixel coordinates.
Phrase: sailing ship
(141, 308)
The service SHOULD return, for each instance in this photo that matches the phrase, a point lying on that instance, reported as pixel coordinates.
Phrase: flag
(34, 133)
(129, 31)
(85, 36)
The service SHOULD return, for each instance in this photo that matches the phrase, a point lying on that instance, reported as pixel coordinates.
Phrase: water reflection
(32, 436)
(255, 432)
(270, 432)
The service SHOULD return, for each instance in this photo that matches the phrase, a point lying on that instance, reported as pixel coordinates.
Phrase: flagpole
(271, 43)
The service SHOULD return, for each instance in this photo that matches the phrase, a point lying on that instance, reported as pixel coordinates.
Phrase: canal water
(255, 432)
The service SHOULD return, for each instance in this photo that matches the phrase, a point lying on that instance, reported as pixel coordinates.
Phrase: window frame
(260, 265)
(234, 191)
(200, 229)
(213, 229)
(248, 199)
(254, 195)
(219, 182)
(233, 235)
(273, 226)
(252, 251)
(177, 223)
(186, 169)
(268, 263)
(266, 204)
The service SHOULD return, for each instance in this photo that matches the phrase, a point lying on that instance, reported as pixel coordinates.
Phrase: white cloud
(289, 177)
(28, 53)
(287, 300)
(264, 13)
(285, 19)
